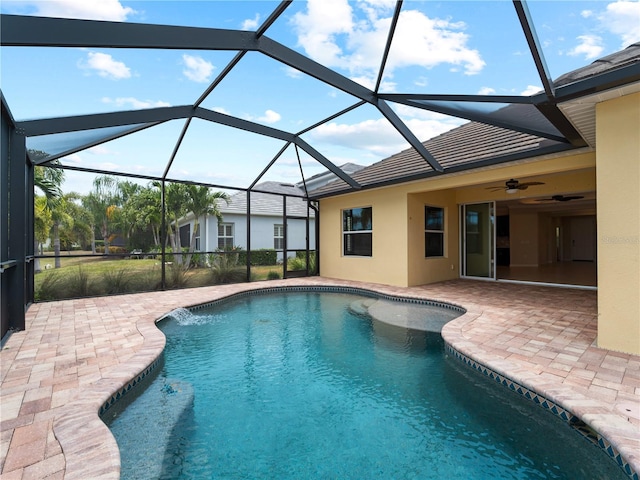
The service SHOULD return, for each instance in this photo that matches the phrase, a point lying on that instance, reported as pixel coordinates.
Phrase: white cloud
(332, 33)
(426, 124)
(269, 117)
(221, 110)
(622, 18)
(420, 40)
(379, 137)
(292, 72)
(376, 136)
(197, 69)
(251, 23)
(531, 90)
(318, 27)
(486, 91)
(89, 10)
(74, 159)
(105, 66)
(365, 80)
(99, 150)
(135, 103)
(421, 82)
(586, 13)
(590, 46)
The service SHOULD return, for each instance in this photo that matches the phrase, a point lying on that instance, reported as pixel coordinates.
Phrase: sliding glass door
(478, 240)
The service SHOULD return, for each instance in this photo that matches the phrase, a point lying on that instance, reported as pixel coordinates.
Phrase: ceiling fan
(512, 186)
(560, 198)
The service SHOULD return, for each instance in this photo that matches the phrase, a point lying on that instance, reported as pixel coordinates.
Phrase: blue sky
(472, 47)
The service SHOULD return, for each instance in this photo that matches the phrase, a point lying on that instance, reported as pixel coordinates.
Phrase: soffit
(582, 112)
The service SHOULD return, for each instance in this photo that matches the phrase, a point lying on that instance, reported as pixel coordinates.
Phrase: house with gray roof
(268, 204)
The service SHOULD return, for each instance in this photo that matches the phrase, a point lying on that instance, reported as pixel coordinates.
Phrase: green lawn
(105, 275)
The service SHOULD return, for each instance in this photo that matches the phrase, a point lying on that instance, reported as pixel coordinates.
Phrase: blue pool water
(298, 386)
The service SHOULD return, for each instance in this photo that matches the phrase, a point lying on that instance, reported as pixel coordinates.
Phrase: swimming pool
(303, 385)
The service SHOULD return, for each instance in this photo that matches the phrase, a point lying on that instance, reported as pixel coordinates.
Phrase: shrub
(146, 281)
(263, 256)
(197, 260)
(112, 249)
(49, 288)
(225, 268)
(299, 262)
(78, 284)
(117, 281)
(273, 275)
(176, 276)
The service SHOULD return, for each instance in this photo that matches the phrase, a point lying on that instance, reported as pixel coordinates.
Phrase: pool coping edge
(86, 411)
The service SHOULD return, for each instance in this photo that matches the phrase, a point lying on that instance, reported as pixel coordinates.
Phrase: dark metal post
(307, 240)
(284, 233)
(30, 233)
(5, 134)
(163, 235)
(248, 212)
(316, 210)
(18, 241)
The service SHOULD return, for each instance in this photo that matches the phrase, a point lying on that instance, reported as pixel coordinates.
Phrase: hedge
(259, 257)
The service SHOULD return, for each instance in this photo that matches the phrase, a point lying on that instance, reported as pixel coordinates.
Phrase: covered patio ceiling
(199, 124)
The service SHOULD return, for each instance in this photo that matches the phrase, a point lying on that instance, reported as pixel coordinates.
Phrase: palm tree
(175, 200)
(60, 216)
(48, 181)
(143, 211)
(102, 202)
(89, 206)
(201, 201)
(42, 225)
(127, 194)
(80, 231)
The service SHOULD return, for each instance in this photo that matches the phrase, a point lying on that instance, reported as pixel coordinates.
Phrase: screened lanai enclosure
(165, 145)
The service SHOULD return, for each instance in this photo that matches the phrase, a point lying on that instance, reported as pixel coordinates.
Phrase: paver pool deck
(74, 354)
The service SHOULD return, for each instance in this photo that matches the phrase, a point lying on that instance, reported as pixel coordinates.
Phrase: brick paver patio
(74, 354)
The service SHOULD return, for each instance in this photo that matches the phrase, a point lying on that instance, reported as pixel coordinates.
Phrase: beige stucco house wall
(618, 175)
(398, 219)
(612, 170)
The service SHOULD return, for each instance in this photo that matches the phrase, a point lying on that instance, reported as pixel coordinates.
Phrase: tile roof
(267, 203)
(475, 144)
(461, 147)
(628, 56)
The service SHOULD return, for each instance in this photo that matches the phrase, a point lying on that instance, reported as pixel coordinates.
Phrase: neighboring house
(409, 225)
(267, 218)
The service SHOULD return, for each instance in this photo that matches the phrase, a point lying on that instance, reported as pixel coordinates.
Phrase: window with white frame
(198, 238)
(357, 231)
(225, 236)
(278, 237)
(433, 231)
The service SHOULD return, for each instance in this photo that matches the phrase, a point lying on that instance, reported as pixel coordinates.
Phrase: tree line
(117, 207)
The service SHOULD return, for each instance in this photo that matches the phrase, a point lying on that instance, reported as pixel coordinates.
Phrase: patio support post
(18, 218)
(307, 240)
(284, 233)
(316, 211)
(163, 235)
(30, 233)
(248, 235)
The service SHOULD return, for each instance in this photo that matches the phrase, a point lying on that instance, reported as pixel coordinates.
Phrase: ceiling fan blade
(495, 189)
(530, 184)
(562, 198)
